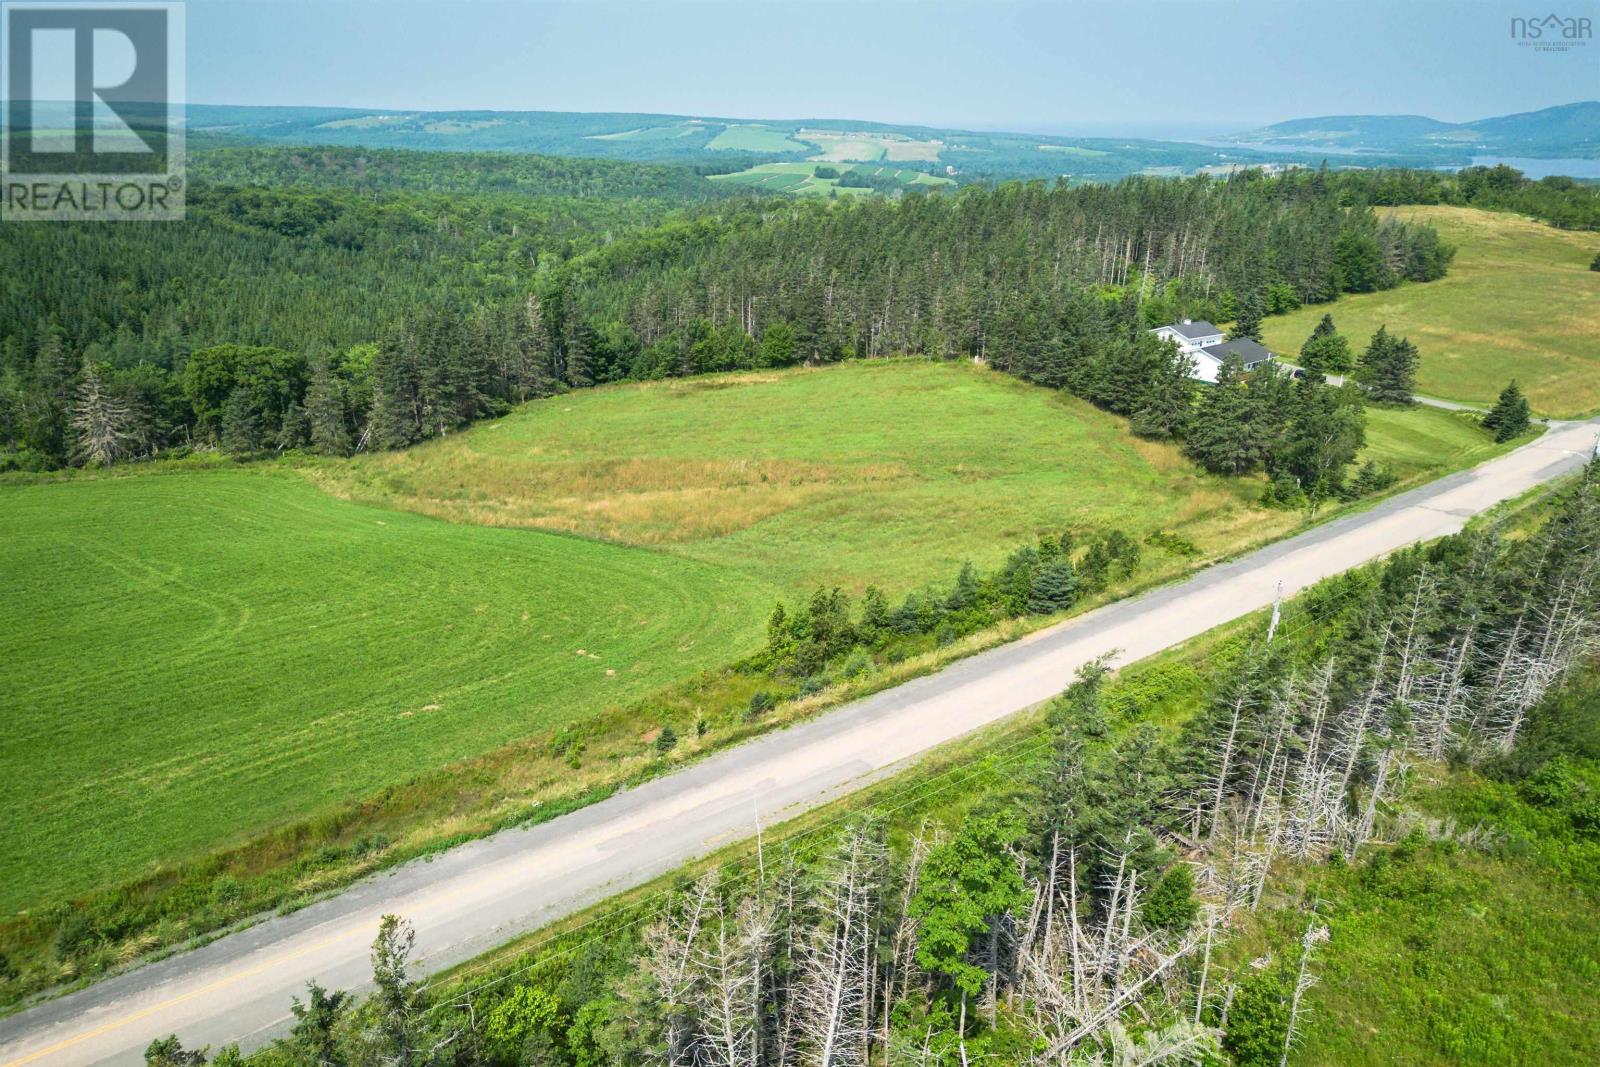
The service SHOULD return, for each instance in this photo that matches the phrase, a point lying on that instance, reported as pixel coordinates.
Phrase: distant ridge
(719, 144)
(1567, 130)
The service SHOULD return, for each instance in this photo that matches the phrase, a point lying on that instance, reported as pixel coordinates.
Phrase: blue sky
(1137, 65)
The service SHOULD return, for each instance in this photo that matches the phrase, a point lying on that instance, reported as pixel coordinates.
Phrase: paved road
(483, 893)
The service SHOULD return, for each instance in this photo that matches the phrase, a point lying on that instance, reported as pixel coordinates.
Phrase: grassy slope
(1421, 443)
(1446, 953)
(887, 471)
(194, 656)
(1519, 302)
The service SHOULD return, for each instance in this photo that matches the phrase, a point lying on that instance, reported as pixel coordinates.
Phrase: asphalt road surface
(481, 894)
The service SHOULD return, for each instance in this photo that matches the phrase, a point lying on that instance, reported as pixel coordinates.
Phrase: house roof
(1191, 330)
(1249, 352)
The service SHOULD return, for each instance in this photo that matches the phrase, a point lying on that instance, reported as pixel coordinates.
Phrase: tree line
(1077, 905)
(393, 316)
(1558, 200)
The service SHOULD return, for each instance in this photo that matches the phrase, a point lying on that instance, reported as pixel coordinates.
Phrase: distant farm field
(800, 178)
(755, 138)
(190, 657)
(1519, 302)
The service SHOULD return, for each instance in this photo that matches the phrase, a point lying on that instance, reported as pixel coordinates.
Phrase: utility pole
(1277, 611)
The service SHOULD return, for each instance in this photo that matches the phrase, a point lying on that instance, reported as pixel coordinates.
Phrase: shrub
(666, 740)
(856, 664)
(1171, 542)
(1171, 905)
(1373, 478)
(761, 702)
(75, 934)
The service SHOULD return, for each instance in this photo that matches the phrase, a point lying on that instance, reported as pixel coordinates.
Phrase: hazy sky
(1157, 66)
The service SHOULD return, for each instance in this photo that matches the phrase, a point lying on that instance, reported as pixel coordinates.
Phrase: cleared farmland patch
(1519, 302)
(192, 658)
(754, 138)
(889, 471)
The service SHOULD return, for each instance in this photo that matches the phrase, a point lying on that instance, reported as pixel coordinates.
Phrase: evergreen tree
(1248, 324)
(1510, 416)
(1054, 587)
(315, 1036)
(242, 431)
(1168, 400)
(874, 613)
(325, 415)
(295, 430)
(1388, 369)
(1325, 351)
(1222, 436)
(778, 345)
(1358, 262)
(964, 594)
(1325, 432)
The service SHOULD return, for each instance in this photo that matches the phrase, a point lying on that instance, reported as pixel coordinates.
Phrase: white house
(1203, 342)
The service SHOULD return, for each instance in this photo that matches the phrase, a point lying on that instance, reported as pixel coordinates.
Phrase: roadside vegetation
(1246, 851)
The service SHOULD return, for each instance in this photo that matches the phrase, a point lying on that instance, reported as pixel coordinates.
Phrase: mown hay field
(191, 658)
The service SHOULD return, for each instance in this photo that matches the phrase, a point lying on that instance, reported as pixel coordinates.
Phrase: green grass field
(1420, 443)
(192, 657)
(1519, 302)
(755, 138)
(202, 656)
(886, 471)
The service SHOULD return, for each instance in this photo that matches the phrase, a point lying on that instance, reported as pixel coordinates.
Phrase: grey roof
(1249, 352)
(1191, 330)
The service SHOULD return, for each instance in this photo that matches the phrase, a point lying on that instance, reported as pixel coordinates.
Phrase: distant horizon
(1016, 65)
(1086, 128)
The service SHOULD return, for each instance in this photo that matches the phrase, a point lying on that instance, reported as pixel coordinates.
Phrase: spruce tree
(1248, 324)
(1325, 351)
(1221, 436)
(1054, 588)
(1510, 416)
(325, 411)
(1388, 369)
(241, 425)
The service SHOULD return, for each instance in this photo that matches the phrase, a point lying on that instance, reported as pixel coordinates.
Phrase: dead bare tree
(832, 996)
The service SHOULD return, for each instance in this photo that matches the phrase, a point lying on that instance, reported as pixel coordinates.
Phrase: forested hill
(392, 170)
